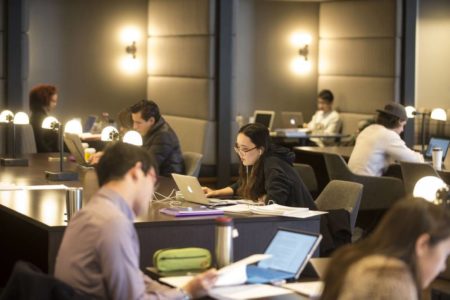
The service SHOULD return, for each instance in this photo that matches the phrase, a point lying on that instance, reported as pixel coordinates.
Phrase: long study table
(32, 223)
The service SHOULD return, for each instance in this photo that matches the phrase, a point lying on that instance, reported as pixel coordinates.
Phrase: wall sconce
(20, 118)
(132, 49)
(130, 37)
(301, 64)
(110, 133)
(133, 137)
(436, 114)
(53, 124)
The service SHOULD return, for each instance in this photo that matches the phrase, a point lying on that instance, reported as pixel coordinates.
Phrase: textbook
(190, 211)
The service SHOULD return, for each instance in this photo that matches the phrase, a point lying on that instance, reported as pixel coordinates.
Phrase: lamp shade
(108, 133)
(6, 116)
(21, 118)
(439, 114)
(427, 187)
(410, 110)
(73, 126)
(47, 123)
(133, 137)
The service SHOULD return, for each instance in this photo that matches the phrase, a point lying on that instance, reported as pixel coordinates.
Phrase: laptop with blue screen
(290, 251)
(437, 142)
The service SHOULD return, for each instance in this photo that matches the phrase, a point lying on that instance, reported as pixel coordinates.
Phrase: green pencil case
(180, 259)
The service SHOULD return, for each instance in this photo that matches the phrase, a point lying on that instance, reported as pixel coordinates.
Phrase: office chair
(412, 172)
(192, 163)
(27, 282)
(340, 194)
(379, 192)
(306, 173)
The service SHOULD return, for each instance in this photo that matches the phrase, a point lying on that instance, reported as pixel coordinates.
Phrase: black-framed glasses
(243, 152)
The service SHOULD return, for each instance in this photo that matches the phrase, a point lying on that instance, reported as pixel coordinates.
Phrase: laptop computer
(192, 191)
(292, 119)
(73, 143)
(437, 142)
(264, 117)
(89, 123)
(291, 250)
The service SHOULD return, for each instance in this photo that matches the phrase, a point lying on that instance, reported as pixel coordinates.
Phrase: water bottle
(74, 201)
(224, 241)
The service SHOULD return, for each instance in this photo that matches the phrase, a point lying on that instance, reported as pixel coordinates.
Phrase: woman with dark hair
(380, 144)
(266, 173)
(407, 250)
(43, 99)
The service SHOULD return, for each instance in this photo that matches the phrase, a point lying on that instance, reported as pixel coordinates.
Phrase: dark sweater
(46, 139)
(282, 183)
(162, 143)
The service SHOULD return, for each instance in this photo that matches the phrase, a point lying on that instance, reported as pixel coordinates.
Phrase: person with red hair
(43, 99)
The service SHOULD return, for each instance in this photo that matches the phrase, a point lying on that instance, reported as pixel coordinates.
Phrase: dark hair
(147, 108)
(252, 186)
(396, 237)
(40, 97)
(124, 119)
(326, 95)
(387, 120)
(118, 159)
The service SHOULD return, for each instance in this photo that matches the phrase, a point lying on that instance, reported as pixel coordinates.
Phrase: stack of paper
(273, 210)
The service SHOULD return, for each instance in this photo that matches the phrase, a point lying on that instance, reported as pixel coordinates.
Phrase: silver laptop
(292, 119)
(73, 143)
(290, 251)
(192, 191)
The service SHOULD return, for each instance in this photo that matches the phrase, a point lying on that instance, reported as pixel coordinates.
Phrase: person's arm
(312, 124)
(333, 124)
(398, 151)
(277, 186)
(227, 191)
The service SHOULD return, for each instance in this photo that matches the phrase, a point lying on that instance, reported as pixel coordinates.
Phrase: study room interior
(212, 67)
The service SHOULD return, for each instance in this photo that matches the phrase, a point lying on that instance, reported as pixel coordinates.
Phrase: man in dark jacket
(158, 137)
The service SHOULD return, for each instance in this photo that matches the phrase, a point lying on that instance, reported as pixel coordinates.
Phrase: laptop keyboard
(260, 275)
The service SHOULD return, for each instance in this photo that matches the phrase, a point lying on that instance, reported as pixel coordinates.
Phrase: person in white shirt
(325, 120)
(380, 144)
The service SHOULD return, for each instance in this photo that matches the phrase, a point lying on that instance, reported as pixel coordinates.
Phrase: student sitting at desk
(325, 120)
(403, 255)
(380, 144)
(99, 253)
(266, 172)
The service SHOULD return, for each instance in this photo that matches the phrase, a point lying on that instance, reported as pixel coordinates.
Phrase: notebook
(264, 117)
(292, 119)
(291, 250)
(193, 192)
(437, 142)
(73, 143)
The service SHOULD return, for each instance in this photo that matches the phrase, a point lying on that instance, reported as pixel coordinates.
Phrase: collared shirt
(99, 254)
(328, 122)
(376, 148)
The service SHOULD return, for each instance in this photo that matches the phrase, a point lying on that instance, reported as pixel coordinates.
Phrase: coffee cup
(74, 201)
(436, 156)
(88, 153)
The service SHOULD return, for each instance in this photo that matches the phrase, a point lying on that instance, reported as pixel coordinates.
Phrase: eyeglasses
(243, 152)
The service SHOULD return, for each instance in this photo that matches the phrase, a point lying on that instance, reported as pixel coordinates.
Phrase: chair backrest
(192, 163)
(306, 173)
(28, 282)
(412, 172)
(379, 192)
(340, 194)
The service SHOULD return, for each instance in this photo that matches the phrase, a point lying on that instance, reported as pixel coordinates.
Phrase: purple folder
(190, 211)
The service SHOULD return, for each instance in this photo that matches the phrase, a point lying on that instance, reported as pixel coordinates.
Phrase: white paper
(250, 291)
(311, 289)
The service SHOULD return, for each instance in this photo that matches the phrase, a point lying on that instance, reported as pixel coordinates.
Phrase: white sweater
(376, 148)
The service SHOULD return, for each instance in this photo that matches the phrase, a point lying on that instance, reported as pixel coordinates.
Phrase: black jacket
(46, 139)
(162, 143)
(282, 183)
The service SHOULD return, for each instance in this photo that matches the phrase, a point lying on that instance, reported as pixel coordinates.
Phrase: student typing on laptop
(266, 172)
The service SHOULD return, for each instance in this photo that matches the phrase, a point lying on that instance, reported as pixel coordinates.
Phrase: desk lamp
(20, 118)
(133, 137)
(432, 189)
(110, 133)
(53, 124)
(436, 114)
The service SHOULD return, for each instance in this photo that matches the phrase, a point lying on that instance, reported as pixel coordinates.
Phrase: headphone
(260, 152)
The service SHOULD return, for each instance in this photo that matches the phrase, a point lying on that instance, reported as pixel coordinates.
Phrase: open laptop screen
(436, 142)
(290, 251)
(264, 117)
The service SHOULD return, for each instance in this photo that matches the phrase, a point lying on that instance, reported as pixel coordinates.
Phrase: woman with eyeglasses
(43, 99)
(266, 173)
(407, 250)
